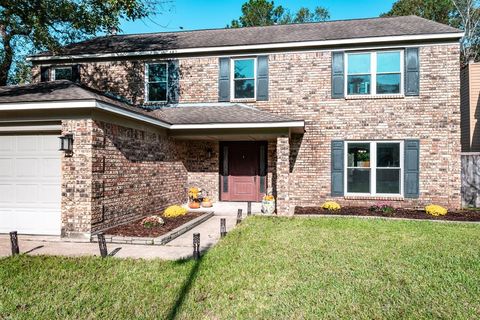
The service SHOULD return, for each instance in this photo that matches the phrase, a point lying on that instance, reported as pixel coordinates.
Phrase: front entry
(243, 170)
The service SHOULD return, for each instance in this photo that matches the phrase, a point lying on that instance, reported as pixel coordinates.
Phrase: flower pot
(194, 205)
(207, 204)
(268, 206)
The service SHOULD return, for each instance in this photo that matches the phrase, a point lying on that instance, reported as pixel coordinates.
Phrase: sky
(206, 14)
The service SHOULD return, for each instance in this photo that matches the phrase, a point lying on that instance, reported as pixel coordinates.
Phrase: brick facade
(300, 88)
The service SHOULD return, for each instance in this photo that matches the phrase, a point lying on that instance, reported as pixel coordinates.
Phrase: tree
(265, 13)
(49, 24)
(442, 11)
(463, 14)
(469, 13)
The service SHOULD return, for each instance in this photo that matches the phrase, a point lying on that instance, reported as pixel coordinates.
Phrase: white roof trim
(242, 125)
(455, 35)
(93, 104)
(31, 128)
(64, 104)
(131, 114)
(80, 104)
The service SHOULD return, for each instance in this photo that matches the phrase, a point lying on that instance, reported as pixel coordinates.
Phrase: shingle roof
(330, 30)
(214, 113)
(64, 90)
(61, 90)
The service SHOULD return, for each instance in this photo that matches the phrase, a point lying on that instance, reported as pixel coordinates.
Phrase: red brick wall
(300, 87)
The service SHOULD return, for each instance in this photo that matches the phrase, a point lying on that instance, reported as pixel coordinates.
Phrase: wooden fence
(471, 179)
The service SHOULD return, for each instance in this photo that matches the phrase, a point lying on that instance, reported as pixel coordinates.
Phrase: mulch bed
(135, 228)
(461, 215)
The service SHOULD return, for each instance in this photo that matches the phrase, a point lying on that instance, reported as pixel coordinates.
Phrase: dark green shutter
(412, 168)
(412, 72)
(338, 75)
(262, 78)
(173, 81)
(337, 167)
(44, 74)
(224, 80)
(76, 73)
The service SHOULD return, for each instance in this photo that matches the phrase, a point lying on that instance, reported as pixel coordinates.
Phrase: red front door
(243, 176)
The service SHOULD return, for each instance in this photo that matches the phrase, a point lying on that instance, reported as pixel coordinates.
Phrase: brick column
(77, 180)
(283, 173)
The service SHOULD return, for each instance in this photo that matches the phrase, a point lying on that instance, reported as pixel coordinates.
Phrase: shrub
(435, 210)
(174, 211)
(152, 221)
(383, 207)
(331, 206)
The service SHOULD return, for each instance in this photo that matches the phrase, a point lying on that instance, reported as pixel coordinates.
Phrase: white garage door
(30, 186)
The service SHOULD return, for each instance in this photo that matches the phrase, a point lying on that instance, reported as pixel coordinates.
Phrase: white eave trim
(284, 124)
(385, 39)
(81, 104)
(94, 104)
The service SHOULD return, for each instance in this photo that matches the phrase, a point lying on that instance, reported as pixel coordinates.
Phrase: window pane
(244, 89)
(359, 84)
(358, 155)
(388, 62)
(244, 69)
(358, 180)
(157, 91)
(388, 155)
(359, 63)
(388, 181)
(63, 74)
(388, 83)
(157, 72)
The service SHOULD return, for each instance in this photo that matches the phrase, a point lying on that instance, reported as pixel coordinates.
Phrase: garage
(30, 184)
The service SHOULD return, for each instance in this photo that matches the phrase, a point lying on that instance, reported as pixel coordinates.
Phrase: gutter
(299, 44)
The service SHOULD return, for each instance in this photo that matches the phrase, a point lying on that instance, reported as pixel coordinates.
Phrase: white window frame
(232, 78)
(373, 73)
(60, 67)
(373, 169)
(147, 82)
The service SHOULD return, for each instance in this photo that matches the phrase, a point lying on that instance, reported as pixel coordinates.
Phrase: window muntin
(243, 77)
(64, 73)
(374, 73)
(157, 82)
(374, 168)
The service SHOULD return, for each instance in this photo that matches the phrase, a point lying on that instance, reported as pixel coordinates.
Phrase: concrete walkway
(178, 248)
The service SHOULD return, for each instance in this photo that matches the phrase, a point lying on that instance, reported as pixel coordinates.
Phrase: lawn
(267, 268)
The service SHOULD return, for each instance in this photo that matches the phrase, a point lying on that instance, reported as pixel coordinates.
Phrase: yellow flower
(331, 206)
(435, 210)
(174, 211)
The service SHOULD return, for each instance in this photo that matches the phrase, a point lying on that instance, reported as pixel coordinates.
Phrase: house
(469, 105)
(357, 111)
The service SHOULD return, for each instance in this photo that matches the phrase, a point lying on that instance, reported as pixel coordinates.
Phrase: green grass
(267, 268)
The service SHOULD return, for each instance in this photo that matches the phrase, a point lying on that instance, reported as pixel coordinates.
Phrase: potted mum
(195, 197)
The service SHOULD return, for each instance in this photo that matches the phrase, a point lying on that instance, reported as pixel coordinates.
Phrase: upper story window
(156, 84)
(63, 73)
(374, 73)
(244, 77)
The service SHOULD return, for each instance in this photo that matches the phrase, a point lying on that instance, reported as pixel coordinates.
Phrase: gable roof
(277, 34)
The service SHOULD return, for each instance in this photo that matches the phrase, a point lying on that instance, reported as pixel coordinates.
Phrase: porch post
(283, 176)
